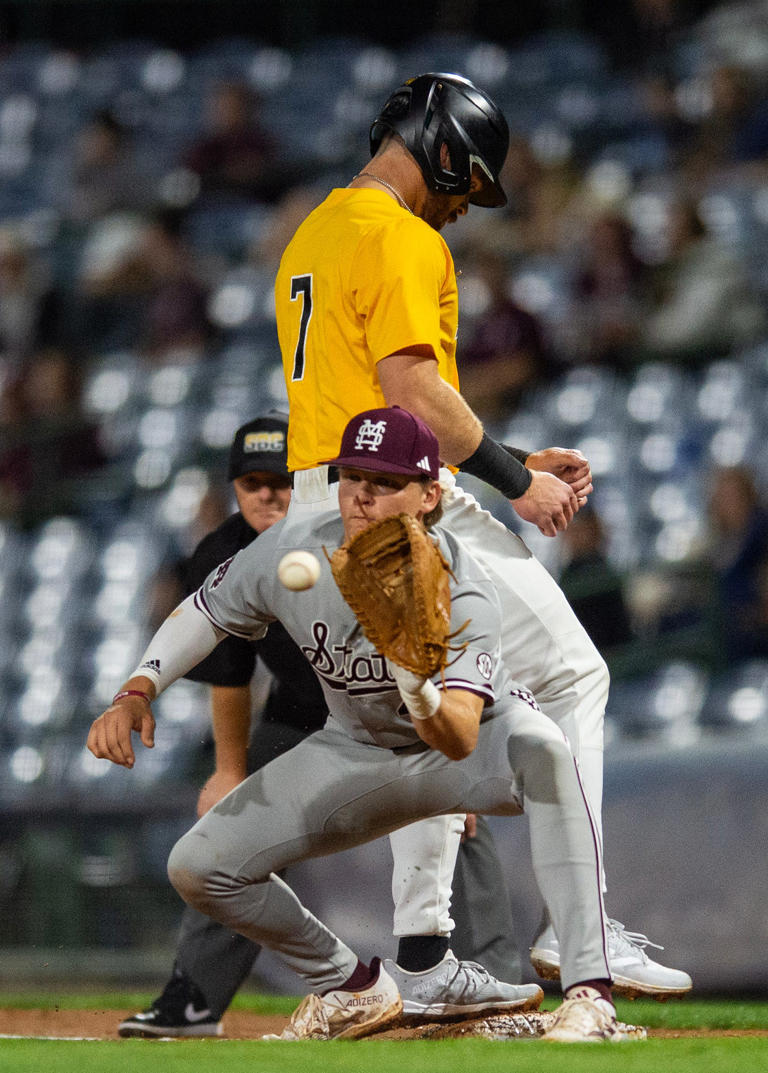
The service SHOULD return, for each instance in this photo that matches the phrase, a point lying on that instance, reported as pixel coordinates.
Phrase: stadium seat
(665, 704)
(222, 59)
(228, 228)
(660, 394)
(440, 52)
(21, 67)
(243, 298)
(587, 398)
(738, 699)
(327, 62)
(556, 58)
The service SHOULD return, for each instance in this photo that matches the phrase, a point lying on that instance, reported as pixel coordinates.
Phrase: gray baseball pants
(219, 960)
(331, 793)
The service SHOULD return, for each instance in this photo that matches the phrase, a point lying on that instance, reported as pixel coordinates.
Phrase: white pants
(544, 645)
(545, 648)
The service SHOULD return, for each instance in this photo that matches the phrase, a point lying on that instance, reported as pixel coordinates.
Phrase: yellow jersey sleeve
(400, 282)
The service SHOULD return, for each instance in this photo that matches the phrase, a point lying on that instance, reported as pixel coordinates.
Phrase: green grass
(685, 1055)
(129, 1000)
(735, 1013)
(479, 1056)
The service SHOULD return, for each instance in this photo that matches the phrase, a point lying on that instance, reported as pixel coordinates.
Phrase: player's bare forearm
(110, 736)
(454, 728)
(181, 642)
(231, 720)
(216, 786)
(411, 380)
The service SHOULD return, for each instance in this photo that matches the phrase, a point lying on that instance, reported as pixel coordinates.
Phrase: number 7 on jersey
(301, 286)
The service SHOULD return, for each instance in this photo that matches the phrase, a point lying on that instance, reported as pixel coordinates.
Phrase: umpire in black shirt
(208, 955)
(295, 706)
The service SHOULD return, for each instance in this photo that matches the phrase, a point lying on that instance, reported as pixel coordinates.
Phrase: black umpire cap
(260, 445)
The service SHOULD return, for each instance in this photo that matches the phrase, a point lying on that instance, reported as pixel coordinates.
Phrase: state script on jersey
(361, 279)
(243, 596)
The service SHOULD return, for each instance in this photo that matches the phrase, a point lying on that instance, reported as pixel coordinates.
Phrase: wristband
(498, 467)
(131, 693)
(422, 703)
(420, 696)
(516, 452)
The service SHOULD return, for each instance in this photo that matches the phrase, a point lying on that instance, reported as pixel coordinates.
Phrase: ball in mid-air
(298, 570)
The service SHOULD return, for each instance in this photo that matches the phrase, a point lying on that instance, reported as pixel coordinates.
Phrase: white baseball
(298, 570)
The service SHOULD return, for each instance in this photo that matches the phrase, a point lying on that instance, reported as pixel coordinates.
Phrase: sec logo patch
(221, 572)
(485, 665)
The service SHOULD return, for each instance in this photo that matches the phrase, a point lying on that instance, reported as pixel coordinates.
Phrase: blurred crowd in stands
(149, 195)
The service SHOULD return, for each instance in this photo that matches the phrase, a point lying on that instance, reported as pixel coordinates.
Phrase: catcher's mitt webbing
(396, 580)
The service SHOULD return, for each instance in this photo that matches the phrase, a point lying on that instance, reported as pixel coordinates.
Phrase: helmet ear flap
(448, 157)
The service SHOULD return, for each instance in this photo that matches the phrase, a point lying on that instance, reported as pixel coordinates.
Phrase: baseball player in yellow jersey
(367, 316)
(334, 321)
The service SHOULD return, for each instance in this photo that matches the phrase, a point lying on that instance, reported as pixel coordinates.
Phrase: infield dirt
(102, 1024)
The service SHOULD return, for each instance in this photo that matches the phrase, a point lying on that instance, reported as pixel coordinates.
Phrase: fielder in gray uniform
(395, 748)
(212, 962)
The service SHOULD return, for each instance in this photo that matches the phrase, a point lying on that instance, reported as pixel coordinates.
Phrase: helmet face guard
(433, 110)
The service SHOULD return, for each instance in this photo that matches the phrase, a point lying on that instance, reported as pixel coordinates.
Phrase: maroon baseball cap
(390, 440)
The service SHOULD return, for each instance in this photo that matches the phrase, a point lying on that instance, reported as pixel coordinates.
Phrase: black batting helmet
(435, 109)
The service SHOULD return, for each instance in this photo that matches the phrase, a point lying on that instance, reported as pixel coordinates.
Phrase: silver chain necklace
(370, 175)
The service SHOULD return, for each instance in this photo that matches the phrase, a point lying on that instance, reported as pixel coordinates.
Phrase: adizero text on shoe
(346, 1014)
(181, 1011)
(634, 973)
(454, 989)
(588, 1020)
(156, 1023)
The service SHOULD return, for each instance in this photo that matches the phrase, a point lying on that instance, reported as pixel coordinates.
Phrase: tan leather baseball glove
(396, 580)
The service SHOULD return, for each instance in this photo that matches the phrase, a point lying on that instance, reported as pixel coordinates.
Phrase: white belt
(311, 485)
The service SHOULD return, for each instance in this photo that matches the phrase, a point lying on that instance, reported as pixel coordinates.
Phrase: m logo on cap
(389, 439)
(369, 435)
(264, 441)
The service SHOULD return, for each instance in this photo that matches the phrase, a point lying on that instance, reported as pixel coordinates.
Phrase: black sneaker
(180, 1011)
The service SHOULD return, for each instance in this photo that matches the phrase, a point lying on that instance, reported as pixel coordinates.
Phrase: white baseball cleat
(345, 1014)
(455, 989)
(585, 1017)
(634, 973)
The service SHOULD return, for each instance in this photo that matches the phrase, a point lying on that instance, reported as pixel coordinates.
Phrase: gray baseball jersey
(244, 595)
